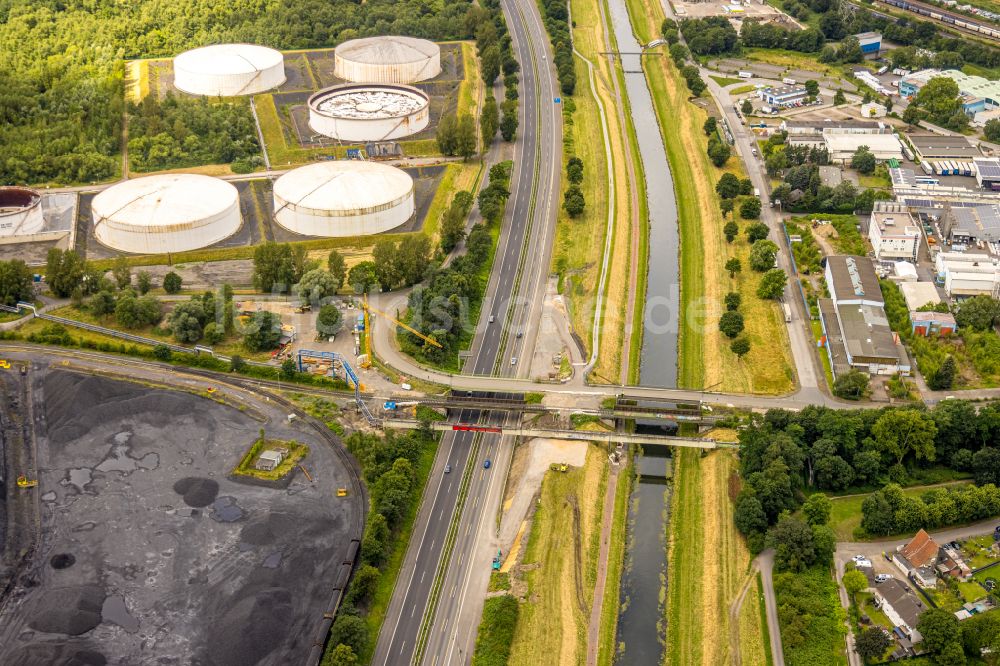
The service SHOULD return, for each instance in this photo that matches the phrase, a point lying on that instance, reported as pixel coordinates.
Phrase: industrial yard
(148, 548)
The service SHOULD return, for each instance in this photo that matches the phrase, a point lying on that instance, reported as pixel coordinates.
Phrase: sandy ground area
(531, 460)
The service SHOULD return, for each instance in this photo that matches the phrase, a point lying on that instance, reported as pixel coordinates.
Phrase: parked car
(881, 578)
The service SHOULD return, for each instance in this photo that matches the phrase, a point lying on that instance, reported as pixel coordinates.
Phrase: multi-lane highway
(434, 611)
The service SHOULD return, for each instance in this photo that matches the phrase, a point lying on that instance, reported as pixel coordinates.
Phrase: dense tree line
(785, 455)
(924, 45)
(453, 221)
(950, 642)
(388, 464)
(61, 78)
(182, 131)
(709, 36)
(890, 511)
(774, 36)
(441, 309)
(16, 282)
(556, 17)
(279, 266)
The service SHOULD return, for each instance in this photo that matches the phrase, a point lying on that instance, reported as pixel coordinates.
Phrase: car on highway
(486, 465)
(513, 360)
(447, 469)
(492, 317)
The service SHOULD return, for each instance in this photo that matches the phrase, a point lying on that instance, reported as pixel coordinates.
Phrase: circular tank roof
(180, 200)
(389, 50)
(349, 186)
(226, 59)
(368, 101)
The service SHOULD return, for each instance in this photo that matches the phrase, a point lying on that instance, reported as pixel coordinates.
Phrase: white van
(745, 75)
(788, 82)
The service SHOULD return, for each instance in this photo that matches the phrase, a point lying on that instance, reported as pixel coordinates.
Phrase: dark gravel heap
(197, 491)
(70, 610)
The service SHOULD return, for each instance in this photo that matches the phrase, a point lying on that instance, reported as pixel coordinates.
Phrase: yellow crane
(368, 344)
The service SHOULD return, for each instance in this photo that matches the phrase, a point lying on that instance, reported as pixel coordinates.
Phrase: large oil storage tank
(364, 112)
(228, 70)
(20, 211)
(166, 213)
(389, 59)
(346, 198)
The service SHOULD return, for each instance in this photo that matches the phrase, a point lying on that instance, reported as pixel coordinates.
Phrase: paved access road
(449, 617)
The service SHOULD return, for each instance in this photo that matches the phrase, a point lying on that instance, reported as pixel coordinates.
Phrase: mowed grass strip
(707, 559)
(557, 571)
(753, 634)
(579, 246)
(704, 356)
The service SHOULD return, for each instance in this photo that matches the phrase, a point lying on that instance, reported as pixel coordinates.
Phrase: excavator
(368, 345)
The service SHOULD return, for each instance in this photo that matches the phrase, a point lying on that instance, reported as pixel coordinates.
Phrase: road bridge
(562, 433)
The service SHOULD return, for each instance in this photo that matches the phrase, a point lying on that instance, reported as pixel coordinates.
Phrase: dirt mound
(251, 628)
(75, 404)
(270, 529)
(69, 610)
(197, 491)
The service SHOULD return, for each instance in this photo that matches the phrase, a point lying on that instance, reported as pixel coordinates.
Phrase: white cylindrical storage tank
(20, 211)
(362, 112)
(228, 70)
(166, 213)
(346, 198)
(389, 59)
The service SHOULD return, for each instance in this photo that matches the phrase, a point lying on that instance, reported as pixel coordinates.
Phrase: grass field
(559, 567)
(707, 561)
(705, 359)
(845, 516)
(607, 644)
(579, 245)
(726, 81)
(754, 643)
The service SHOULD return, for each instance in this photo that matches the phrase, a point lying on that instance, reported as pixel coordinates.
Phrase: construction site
(125, 540)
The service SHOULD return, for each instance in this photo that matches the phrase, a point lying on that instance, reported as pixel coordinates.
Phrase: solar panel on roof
(989, 170)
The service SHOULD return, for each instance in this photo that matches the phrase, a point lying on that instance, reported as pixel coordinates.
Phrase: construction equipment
(367, 327)
(25, 482)
(559, 467)
(341, 492)
(5, 364)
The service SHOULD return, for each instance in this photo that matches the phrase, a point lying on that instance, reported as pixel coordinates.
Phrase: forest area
(62, 74)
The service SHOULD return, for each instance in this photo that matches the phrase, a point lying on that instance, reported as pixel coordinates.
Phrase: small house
(269, 460)
(918, 559)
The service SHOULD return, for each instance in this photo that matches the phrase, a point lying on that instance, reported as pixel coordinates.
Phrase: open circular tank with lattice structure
(363, 112)
(20, 211)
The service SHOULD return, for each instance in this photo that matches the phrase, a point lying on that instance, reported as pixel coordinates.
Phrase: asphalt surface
(513, 299)
(766, 562)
